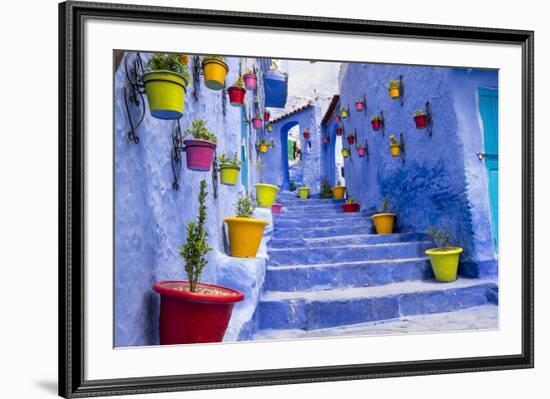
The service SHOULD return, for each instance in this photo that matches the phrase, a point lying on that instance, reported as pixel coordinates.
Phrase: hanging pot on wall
(236, 96)
(269, 126)
(307, 134)
(376, 122)
(339, 131)
(229, 174)
(194, 317)
(266, 194)
(250, 81)
(361, 151)
(345, 152)
(165, 93)
(395, 150)
(267, 115)
(420, 120)
(257, 123)
(326, 140)
(215, 71)
(350, 139)
(199, 154)
(359, 105)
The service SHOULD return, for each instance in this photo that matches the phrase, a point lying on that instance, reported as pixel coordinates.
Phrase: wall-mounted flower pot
(339, 131)
(267, 115)
(383, 222)
(338, 119)
(269, 126)
(444, 263)
(395, 150)
(257, 123)
(229, 174)
(338, 192)
(325, 140)
(165, 93)
(359, 105)
(350, 207)
(266, 194)
(245, 236)
(350, 139)
(345, 152)
(199, 154)
(421, 121)
(344, 113)
(194, 317)
(303, 193)
(215, 71)
(361, 151)
(376, 124)
(250, 81)
(276, 208)
(395, 92)
(262, 147)
(307, 134)
(236, 96)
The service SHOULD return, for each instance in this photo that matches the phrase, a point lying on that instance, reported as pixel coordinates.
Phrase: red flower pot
(307, 135)
(361, 151)
(257, 123)
(276, 208)
(359, 105)
(376, 124)
(199, 154)
(267, 115)
(190, 317)
(350, 207)
(236, 96)
(250, 81)
(339, 131)
(421, 121)
(350, 139)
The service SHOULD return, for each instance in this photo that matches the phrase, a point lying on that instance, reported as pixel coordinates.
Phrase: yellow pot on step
(165, 93)
(266, 194)
(229, 174)
(245, 236)
(383, 222)
(215, 71)
(338, 192)
(303, 193)
(444, 263)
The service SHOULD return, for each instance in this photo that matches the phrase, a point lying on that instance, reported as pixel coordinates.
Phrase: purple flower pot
(199, 154)
(257, 123)
(361, 151)
(250, 81)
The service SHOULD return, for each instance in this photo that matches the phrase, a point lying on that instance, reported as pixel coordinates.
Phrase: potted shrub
(326, 192)
(420, 119)
(269, 126)
(267, 116)
(257, 121)
(361, 150)
(250, 80)
(350, 205)
(345, 152)
(384, 220)
(236, 93)
(395, 146)
(326, 139)
(445, 257)
(263, 145)
(359, 105)
(229, 169)
(276, 208)
(376, 122)
(339, 131)
(165, 82)
(307, 134)
(394, 89)
(344, 113)
(215, 70)
(200, 149)
(245, 233)
(338, 191)
(303, 192)
(191, 311)
(350, 138)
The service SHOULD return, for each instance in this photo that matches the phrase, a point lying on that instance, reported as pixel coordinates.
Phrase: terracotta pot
(199, 154)
(350, 207)
(236, 96)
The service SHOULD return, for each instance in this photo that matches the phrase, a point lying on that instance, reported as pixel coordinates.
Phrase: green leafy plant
(393, 140)
(249, 72)
(359, 146)
(419, 112)
(394, 84)
(384, 205)
(292, 185)
(326, 191)
(352, 134)
(196, 247)
(199, 131)
(239, 82)
(257, 115)
(234, 160)
(169, 62)
(245, 206)
(214, 57)
(264, 141)
(304, 186)
(350, 200)
(442, 238)
(376, 117)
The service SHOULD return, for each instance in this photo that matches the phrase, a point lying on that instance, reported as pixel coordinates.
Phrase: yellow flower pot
(263, 147)
(215, 71)
(165, 93)
(229, 174)
(444, 263)
(395, 150)
(383, 222)
(266, 194)
(245, 235)
(338, 192)
(303, 193)
(394, 92)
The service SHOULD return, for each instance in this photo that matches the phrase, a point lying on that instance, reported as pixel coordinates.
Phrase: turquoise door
(488, 108)
(244, 148)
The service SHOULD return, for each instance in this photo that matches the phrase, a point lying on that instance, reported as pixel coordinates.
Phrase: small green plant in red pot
(257, 121)
(350, 205)
(237, 92)
(445, 257)
(199, 150)
(376, 122)
(190, 311)
(350, 138)
(420, 119)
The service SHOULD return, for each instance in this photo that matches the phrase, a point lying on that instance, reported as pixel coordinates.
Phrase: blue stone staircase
(328, 269)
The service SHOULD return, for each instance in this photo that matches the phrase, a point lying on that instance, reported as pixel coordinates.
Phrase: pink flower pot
(276, 208)
(250, 81)
(361, 151)
(359, 105)
(257, 123)
(199, 154)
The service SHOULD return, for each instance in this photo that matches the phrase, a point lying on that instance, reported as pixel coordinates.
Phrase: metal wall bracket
(175, 155)
(429, 119)
(382, 124)
(215, 170)
(402, 145)
(197, 72)
(401, 90)
(133, 94)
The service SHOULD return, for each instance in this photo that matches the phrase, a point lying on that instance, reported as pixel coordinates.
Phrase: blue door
(488, 108)
(244, 149)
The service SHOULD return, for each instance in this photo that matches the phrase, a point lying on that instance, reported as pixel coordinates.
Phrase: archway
(285, 170)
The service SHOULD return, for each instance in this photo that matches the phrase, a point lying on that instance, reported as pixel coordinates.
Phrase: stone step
(305, 210)
(357, 239)
(311, 202)
(348, 253)
(316, 232)
(346, 274)
(341, 307)
(323, 222)
(338, 215)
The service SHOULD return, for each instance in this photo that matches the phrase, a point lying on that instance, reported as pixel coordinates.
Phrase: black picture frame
(71, 199)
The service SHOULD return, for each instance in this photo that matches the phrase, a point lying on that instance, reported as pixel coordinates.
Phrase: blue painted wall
(439, 181)
(151, 217)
